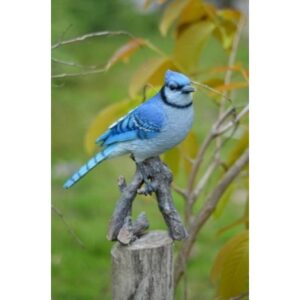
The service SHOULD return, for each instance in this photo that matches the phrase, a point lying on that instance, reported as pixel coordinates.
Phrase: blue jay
(150, 129)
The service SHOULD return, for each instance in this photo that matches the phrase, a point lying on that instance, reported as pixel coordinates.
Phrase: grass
(84, 273)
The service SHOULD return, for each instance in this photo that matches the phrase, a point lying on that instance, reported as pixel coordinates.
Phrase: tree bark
(144, 269)
(157, 178)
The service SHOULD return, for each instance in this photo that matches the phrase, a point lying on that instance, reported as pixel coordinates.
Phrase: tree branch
(89, 36)
(206, 211)
(227, 78)
(78, 74)
(70, 230)
(157, 178)
(200, 155)
(71, 63)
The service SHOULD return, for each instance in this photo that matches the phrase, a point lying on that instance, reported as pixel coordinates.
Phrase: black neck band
(167, 102)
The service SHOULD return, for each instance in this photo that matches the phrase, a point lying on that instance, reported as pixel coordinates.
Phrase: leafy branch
(206, 211)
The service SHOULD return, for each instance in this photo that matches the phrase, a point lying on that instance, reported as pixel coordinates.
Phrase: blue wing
(144, 122)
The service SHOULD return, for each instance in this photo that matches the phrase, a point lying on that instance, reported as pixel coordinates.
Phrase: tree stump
(143, 270)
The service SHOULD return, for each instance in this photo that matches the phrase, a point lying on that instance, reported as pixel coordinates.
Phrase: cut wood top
(152, 239)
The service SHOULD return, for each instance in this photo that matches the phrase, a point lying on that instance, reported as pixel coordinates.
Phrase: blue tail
(92, 163)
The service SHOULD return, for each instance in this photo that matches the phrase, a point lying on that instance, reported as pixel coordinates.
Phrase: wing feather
(143, 122)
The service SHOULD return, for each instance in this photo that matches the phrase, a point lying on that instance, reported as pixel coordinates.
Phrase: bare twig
(227, 78)
(70, 230)
(179, 191)
(217, 130)
(200, 155)
(89, 36)
(204, 179)
(206, 211)
(205, 86)
(79, 74)
(230, 124)
(231, 61)
(71, 64)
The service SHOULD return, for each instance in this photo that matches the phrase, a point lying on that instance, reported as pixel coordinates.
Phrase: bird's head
(177, 90)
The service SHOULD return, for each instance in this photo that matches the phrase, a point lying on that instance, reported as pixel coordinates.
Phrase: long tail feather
(92, 163)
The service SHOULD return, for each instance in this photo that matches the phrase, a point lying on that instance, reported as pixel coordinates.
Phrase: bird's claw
(148, 188)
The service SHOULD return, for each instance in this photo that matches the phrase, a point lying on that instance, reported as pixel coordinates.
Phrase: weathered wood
(144, 269)
(157, 178)
(133, 230)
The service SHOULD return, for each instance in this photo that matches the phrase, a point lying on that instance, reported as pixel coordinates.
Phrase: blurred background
(80, 250)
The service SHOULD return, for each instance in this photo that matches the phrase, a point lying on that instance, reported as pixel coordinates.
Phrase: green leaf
(104, 119)
(230, 271)
(189, 44)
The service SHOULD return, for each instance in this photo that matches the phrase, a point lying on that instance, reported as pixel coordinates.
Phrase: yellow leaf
(171, 13)
(230, 271)
(227, 26)
(192, 12)
(126, 51)
(188, 150)
(151, 73)
(229, 14)
(189, 44)
(225, 33)
(172, 159)
(104, 119)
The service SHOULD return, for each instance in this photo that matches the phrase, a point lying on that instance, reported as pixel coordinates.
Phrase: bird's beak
(187, 89)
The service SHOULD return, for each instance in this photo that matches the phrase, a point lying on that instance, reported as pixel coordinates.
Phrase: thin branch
(205, 86)
(228, 76)
(203, 181)
(226, 127)
(71, 63)
(179, 191)
(200, 155)
(89, 36)
(206, 211)
(70, 230)
(231, 61)
(78, 74)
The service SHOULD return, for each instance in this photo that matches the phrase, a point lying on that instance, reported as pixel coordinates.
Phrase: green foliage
(231, 268)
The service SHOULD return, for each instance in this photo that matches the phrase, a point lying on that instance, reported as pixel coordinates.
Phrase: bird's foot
(148, 188)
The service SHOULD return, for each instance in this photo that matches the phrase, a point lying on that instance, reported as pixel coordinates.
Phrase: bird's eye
(173, 86)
